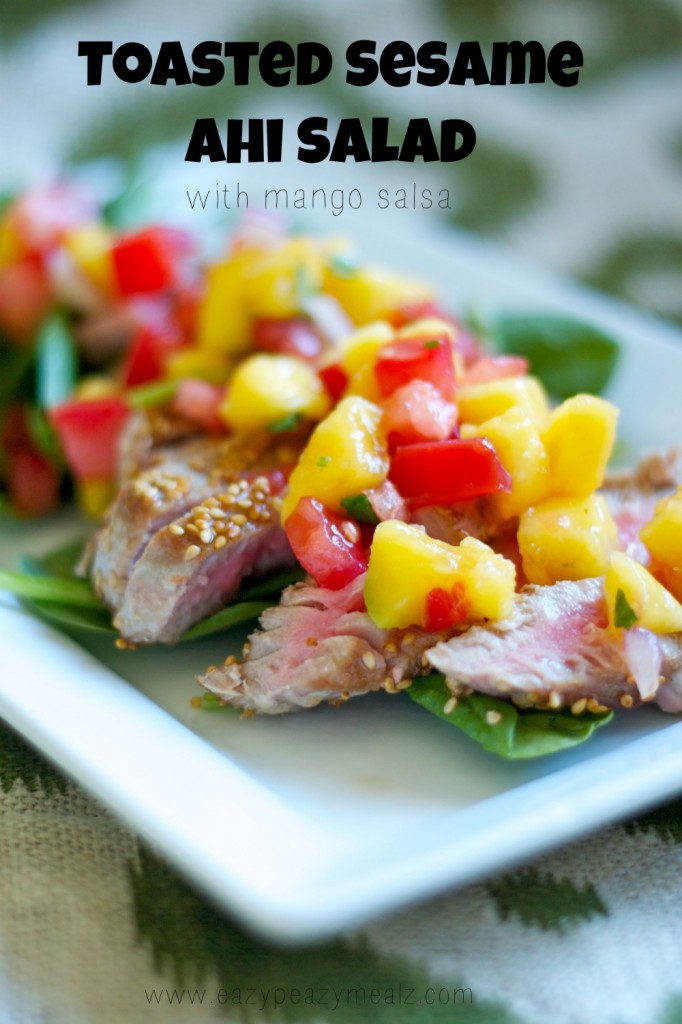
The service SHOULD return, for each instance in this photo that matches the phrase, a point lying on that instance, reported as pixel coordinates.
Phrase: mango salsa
(566, 539)
(357, 356)
(278, 281)
(579, 439)
(516, 438)
(663, 534)
(656, 609)
(266, 388)
(224, 320)
(405, 565)
(346, 454)
(480, 402)
(370, 293)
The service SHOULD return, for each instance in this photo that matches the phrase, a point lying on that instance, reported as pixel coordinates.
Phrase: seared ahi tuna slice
(555, 651)
(195, 565)
(152, 436)
(161, 494)
(318, 645)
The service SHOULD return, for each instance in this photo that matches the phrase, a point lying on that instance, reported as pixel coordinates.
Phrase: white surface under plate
(307, 824)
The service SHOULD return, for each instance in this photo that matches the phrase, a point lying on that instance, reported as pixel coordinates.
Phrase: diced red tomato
(418, 412)
(446, 608)
(32, 482)
(408, 359)
(335, 380)
(328, 546)
(294, 337)
(25, 297)
(494, 367)
(414, 311)
(446, 472)
(146, 358)
(149, 260)
(199, 402)
(89, 433)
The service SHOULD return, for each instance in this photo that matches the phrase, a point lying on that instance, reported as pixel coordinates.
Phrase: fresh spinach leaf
(502, 728)
(568, 356)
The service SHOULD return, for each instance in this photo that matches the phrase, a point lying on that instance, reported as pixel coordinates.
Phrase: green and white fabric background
(94, 926)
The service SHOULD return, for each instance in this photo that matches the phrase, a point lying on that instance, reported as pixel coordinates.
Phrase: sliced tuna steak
(555, 651)
(318, 645)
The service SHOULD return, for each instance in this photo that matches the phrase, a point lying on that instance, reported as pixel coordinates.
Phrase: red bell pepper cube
(149, 260)
(447, 472)
(407, 359)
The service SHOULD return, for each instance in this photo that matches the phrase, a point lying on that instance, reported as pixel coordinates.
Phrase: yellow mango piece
(90, 249)
(663, 534)
(277, 283)
(566, 539)
(96, 385)
(265, 388)
(516, 438)
(480, 402)
(656, 609)
(345, 454)
(371, 293)
(224, 321)
(204, 363)
(95, 496)
(357, 355)
(579, 439)
(405, 564)
(11, 246)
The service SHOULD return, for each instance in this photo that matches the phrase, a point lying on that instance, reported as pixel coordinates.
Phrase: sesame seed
(493, 717)
(244, 503)
(258, 495)
(554, 700)
(450, 705)
(176, 529)
(192, 551)
(218, 513)
(389, 685)
(408, 639)
(579, 706)
(369, 660)
(262, 483)
(626, 700)
(424, 659)
(238, 519)
(404, 684)
(206, 536)
(234, 489)
(220, 542)
(311, 641)
(233, 531)
(230, 660)
(192, 527)
(350, 531)
(390, 647)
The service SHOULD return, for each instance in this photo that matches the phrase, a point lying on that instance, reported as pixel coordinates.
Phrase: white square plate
(306, 824)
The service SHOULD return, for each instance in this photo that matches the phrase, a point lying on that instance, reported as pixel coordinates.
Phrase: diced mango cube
(405, 564)
(579, 439)
(515, 435)
(224, 321)
(204, 363)
(357, 355)
(370, 293)
(265, 388)
(480, 402)
(566, 539)
(279, 280)
(663, 534)
(346, 454)
(95, 496)
(90, 249)
(656, 609)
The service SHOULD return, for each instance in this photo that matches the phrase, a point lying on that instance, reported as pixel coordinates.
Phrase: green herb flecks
(359, 507)
(502, 728)
(624, 613)
(287, 424)
(323, 461)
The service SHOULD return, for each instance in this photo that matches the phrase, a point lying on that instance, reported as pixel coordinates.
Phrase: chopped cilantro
(323, 461)
(625, 615)
(359, 507)
(432, 344)
(286, 423)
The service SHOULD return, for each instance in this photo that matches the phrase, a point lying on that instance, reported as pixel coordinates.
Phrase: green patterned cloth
(94, 925)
